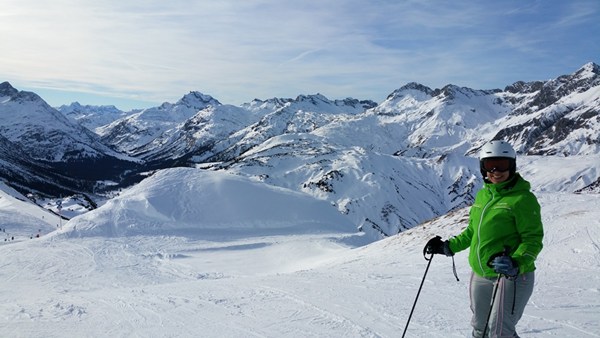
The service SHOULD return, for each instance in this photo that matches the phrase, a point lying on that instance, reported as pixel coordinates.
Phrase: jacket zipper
(479, 232)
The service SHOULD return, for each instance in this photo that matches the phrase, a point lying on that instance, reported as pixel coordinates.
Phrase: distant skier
(504, 236)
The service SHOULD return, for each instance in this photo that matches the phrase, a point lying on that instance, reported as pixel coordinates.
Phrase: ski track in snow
(267, 286)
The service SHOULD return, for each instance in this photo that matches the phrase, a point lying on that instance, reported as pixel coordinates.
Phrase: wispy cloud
(239, 50)
(580, 13)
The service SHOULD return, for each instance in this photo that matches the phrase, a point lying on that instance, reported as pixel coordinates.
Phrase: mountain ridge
(415, 150)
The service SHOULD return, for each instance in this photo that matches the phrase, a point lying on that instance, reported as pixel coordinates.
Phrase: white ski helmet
(497, 148)
(501, 149)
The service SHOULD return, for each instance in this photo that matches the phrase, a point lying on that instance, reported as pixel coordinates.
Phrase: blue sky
(140, 53)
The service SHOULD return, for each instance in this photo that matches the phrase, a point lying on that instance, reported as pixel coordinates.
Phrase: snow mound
(186, 201)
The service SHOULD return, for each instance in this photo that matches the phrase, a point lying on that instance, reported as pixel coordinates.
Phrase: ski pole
(489, 263)
(491, 305)
(418, 292)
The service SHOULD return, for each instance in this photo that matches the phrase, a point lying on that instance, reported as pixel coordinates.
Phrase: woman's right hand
(437, 246)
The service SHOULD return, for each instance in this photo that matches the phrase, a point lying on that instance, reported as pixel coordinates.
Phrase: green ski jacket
(504, 216)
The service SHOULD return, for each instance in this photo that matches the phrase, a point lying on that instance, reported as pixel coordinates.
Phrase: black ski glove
(437, 246)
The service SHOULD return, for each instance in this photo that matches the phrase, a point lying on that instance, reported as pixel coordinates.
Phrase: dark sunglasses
(496, 164)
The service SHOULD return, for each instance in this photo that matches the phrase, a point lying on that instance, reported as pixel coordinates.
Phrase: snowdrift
(185, 201)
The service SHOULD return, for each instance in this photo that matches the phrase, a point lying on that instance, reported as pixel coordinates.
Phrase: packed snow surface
(189, 253)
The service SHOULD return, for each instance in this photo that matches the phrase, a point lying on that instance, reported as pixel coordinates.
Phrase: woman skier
(504, 237)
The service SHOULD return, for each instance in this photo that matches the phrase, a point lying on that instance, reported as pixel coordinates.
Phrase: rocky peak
(7, 90)
(267, 106)
(313, 99)
(198, 100)
(276, 101)
(76, 107)
(411, 86)
(365, 104)
(590, 69)
(450, 92)
(586, 77)
(524, 87)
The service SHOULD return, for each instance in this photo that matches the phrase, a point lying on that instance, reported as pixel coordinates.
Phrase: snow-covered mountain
(27, 174)
(92, 117)
(41, 137)
(387, 166)
(559, 116)
(139, 129)
(43, 132)
(563, 114)
(194, 125)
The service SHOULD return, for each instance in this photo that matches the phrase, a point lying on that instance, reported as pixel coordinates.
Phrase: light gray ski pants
(508, 306)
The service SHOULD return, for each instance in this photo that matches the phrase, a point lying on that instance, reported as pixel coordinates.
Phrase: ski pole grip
(427, 247)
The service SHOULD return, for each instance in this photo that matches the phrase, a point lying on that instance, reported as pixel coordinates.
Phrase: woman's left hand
(506, 266)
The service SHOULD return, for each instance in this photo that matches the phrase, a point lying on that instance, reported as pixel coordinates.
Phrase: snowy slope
(22, 219)
(226, 267)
